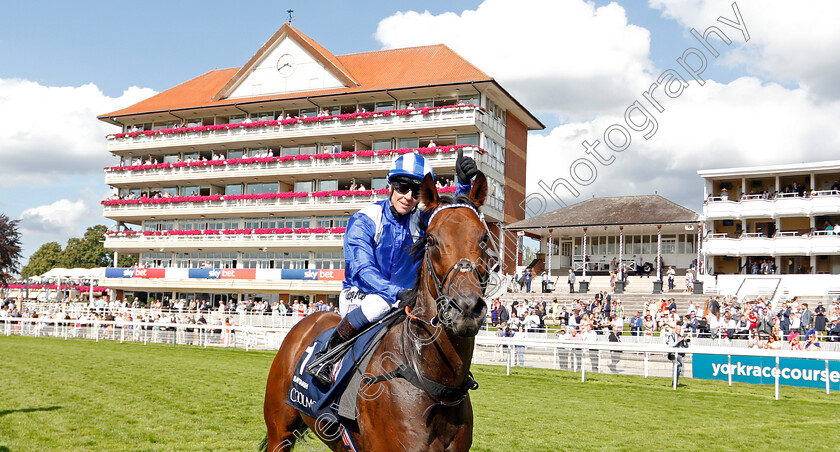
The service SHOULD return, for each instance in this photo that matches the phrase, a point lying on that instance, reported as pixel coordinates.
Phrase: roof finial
(290, 11)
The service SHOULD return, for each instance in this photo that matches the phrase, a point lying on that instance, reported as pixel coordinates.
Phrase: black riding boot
(344, 331)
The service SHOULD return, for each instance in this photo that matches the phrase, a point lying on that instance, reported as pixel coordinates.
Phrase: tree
(88, 251)
(126, 260)
(9, 249)
(45, 259)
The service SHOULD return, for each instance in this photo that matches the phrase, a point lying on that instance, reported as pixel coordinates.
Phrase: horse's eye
(486, 238)
(430, 240)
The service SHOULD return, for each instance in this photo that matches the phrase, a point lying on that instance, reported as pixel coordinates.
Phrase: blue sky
(577, 65)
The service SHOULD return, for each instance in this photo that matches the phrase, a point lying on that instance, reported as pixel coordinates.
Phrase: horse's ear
(478, 192)
(428, 193)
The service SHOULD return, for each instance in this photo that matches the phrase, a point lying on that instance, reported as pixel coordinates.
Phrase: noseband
(443, 287)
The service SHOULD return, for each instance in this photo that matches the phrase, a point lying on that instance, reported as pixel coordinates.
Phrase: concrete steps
(637, 293)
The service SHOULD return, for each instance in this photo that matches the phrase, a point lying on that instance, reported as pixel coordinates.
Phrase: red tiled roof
(378, 70)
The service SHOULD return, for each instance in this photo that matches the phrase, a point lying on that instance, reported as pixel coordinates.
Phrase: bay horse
(433, 338)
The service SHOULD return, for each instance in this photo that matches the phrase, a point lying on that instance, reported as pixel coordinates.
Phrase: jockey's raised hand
(465, 167)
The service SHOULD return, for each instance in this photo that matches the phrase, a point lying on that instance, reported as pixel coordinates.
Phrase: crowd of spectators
(722, 318)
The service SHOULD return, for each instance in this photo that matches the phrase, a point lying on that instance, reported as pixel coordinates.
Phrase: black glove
(465, 167)
(404, 299)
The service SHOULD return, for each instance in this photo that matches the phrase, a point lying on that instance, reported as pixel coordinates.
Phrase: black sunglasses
(404, 187)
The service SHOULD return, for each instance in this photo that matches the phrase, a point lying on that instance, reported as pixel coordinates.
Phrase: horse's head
(456, 257)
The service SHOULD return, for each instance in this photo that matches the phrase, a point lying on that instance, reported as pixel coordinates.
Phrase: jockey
(379, 270)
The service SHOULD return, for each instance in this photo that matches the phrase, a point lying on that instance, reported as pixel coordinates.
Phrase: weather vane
(290, 11)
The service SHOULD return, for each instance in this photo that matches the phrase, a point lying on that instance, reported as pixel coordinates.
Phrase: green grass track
(106, 396)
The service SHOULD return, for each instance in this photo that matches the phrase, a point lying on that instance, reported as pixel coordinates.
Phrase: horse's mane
(419, 246)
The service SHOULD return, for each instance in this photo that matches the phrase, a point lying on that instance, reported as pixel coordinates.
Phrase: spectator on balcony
(724, 194)
(431, 144)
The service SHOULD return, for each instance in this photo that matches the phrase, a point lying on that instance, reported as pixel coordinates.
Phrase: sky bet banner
(135, 272)
(223, 273)
(809, 373)
(313, 274)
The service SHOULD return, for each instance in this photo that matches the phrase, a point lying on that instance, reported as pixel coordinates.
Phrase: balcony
(721, 209)
(720, 245)
(354, 123)
(222, 206)
(240, 239)
(755, 244)
(340, 162)
(788, 205)
(783, 244)
(755, 206)
(825, 242)
(825, 202)
(784, 205)
(227, 206)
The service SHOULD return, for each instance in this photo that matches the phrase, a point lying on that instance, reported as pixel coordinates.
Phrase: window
(382, 106)
(471, 99)
(158, 225)
(329, 260)
(172, 191)
(171, 158)
(236, 119)
(197, 260)
(409, 143)
(156, 260)
(469, 139)
(303, 186)
(378, 183)
(233, 189)
(308, 149)
(191, 190)
(308, 112)
(331, 222)
(263, 116)
(669, 244)
(235, 153)
(268, 187)
(379, 145)
(290, 150)
(327, 185)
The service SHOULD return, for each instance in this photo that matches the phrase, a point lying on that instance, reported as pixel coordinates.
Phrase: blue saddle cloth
(315, 399)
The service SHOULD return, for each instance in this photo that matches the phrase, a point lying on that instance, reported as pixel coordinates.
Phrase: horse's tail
(263, 447)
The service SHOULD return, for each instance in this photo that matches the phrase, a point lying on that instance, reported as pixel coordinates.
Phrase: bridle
(443, 287)
(440, 394)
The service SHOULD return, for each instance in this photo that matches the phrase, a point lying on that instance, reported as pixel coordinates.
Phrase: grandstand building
(238, 183)
(786, 215)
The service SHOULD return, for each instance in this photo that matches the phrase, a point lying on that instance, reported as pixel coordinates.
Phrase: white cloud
(742, 123)
(52, 131)
(567, 56)
(789, 41)
(61, 218)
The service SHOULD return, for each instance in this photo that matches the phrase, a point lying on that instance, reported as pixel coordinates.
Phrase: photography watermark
(640, 120)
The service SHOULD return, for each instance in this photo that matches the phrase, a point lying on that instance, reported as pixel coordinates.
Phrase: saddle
(315, 399)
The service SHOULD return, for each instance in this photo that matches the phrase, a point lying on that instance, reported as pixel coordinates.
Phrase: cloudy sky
(769, 96)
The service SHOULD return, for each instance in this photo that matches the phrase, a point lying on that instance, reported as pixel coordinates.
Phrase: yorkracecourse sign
(809, 373)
